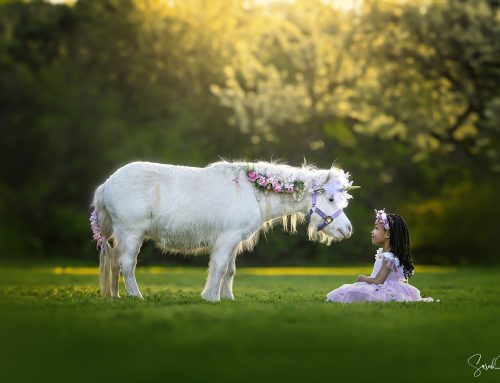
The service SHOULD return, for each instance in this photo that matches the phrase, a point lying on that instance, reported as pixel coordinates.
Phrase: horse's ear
(329, 177)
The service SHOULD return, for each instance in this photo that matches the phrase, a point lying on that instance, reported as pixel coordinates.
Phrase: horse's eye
(330, 199)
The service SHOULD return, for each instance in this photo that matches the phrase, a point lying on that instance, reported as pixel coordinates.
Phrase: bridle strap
(327, 219)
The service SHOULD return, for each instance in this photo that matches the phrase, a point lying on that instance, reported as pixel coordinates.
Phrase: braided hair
(400, 243)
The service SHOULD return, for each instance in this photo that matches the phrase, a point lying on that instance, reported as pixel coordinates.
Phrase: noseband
(327, 219)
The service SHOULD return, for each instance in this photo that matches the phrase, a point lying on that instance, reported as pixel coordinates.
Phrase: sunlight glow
(262, 271)
(69, 2)
(342, 5)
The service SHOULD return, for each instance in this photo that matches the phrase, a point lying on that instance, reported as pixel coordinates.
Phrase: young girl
(391, 271)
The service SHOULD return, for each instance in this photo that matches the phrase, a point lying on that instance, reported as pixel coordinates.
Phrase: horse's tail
(102, 229)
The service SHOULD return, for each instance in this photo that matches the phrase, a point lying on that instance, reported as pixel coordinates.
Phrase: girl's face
(379, 235)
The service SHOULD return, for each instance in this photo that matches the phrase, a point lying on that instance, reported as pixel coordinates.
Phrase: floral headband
(381, 217)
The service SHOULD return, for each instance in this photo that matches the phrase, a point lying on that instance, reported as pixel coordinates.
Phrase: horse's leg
(219, 261)
(115, 274)
(130, 247)
(226, 290)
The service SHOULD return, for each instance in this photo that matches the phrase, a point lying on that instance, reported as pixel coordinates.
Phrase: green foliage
(469, 216)
(437, 76)
(404, 96)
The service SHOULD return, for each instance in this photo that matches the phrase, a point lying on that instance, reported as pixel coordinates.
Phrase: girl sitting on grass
(391, 271)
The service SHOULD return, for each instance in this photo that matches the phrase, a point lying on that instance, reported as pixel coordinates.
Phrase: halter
(327, 219)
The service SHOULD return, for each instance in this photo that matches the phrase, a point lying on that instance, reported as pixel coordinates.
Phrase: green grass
(54, 326)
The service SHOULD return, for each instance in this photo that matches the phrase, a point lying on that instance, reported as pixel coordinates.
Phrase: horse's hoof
(138, 297)
(210, 298)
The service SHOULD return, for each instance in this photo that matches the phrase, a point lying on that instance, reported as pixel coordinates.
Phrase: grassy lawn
(54, 326)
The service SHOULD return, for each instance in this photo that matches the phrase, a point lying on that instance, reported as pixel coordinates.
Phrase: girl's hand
(360, 278)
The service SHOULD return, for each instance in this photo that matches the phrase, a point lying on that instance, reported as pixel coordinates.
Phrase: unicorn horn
(351, 187)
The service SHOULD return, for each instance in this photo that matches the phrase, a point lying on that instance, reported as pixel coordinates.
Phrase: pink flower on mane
(276, 186)
(253, 175)
(262, 181)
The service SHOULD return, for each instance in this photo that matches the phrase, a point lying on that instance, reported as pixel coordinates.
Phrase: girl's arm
(380, 278)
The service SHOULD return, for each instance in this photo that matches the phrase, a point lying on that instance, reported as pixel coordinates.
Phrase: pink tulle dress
(393, 289)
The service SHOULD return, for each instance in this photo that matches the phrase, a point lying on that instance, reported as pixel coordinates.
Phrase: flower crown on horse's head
(382, 219)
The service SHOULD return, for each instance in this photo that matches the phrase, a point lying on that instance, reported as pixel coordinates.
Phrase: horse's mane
(282, 171)
(308, 173)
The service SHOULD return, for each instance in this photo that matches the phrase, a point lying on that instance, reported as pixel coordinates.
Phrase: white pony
(220, 209)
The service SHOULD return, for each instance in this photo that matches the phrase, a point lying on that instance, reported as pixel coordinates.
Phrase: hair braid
(400, 243)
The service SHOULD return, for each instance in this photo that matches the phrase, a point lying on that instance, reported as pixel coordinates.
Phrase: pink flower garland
(269, 183)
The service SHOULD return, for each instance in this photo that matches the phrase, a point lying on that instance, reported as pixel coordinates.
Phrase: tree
(423, 73)
(437, 77)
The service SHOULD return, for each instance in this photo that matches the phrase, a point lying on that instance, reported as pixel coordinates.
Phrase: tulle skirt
(365, 292)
